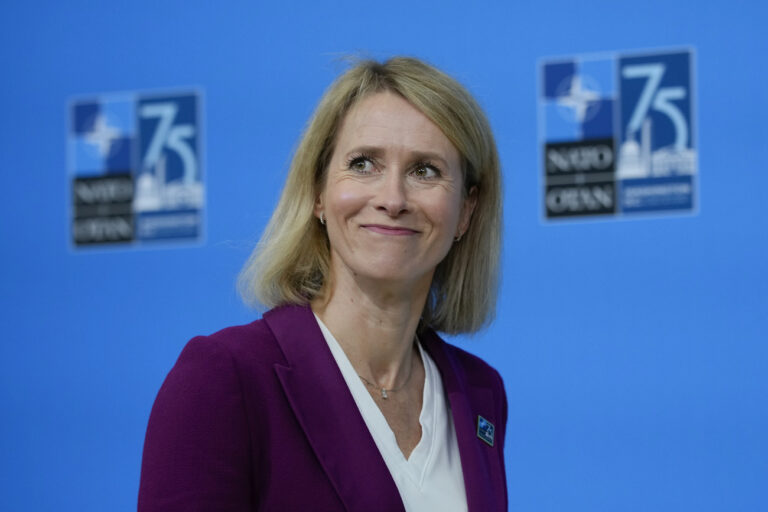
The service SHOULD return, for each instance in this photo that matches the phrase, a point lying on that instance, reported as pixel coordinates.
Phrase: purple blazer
(258, 417)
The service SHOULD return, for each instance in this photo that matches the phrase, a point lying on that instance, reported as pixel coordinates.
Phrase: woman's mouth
(390, 230)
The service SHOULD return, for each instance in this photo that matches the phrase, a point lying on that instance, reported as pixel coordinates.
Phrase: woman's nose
(392, 195)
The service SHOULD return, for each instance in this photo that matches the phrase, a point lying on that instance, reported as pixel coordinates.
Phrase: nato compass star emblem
(579, 98)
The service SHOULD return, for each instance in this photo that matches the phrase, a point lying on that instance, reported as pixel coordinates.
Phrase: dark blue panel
(120, 153)
(599, 120)
(84, 117)
(184, 115)
(657, 194)
(556, 76)
(674, 78)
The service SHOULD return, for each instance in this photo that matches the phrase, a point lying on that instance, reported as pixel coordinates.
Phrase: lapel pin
(485, 430)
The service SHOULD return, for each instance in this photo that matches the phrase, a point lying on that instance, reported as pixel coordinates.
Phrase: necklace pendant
(384, 393)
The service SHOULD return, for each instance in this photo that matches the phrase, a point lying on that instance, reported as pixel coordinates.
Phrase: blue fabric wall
(634, 352)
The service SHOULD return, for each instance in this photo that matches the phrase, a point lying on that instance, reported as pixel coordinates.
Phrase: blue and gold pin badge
(485, 430)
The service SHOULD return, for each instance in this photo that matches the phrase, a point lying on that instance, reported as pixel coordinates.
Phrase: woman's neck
(375, 324)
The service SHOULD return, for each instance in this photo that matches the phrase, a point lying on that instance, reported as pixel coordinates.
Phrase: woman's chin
(393, 277)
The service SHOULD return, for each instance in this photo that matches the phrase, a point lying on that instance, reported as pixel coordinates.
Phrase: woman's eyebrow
(429, 155)
(378, 152)
(374, 151)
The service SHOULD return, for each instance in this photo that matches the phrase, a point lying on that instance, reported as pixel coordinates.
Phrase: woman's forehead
(387, 121)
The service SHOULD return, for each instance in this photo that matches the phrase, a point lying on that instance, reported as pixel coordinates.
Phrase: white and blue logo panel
(657, 156)
(578, 99)
(102, 136)
(136, 169)
(618, 135)
(579, 149)
(169, 187)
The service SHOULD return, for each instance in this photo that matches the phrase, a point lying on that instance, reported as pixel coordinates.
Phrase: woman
(343, 397)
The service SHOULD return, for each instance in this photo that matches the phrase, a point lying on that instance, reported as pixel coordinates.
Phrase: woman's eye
(361, 164)
(425, 171)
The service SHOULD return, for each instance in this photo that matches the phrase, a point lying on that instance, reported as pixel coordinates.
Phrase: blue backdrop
(634, 351)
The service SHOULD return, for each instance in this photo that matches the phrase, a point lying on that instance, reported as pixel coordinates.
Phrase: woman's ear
(467, 208)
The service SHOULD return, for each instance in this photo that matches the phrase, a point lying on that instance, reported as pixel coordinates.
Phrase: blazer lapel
(475, 463)
(328, 414)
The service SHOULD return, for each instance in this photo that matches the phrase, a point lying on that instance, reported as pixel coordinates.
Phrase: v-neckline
(417, 463)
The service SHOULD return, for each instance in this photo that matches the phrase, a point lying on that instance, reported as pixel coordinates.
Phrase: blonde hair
(291, 262)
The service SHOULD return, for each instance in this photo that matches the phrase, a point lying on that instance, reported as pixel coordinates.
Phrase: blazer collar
(477, 460)
(337, 432)
(328, 414)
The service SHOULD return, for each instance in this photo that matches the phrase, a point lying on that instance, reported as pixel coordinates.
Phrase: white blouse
(431, 478)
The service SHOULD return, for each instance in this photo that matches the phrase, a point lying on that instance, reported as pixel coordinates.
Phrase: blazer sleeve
(197, 447)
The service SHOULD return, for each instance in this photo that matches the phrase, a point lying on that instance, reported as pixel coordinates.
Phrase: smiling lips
(389, 230)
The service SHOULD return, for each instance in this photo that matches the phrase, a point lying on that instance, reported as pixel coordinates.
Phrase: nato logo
(485, 430)
(618, 135)
(134, 160)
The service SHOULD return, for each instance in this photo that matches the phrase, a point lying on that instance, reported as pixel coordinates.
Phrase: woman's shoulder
(473, 368)
(212, 369)
(240, 337)
(251, 344)
(203, 419)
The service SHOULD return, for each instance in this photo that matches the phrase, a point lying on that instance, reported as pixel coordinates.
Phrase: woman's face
(393, 198)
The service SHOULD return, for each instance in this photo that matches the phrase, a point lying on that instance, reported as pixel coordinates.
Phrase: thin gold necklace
(384, 391)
